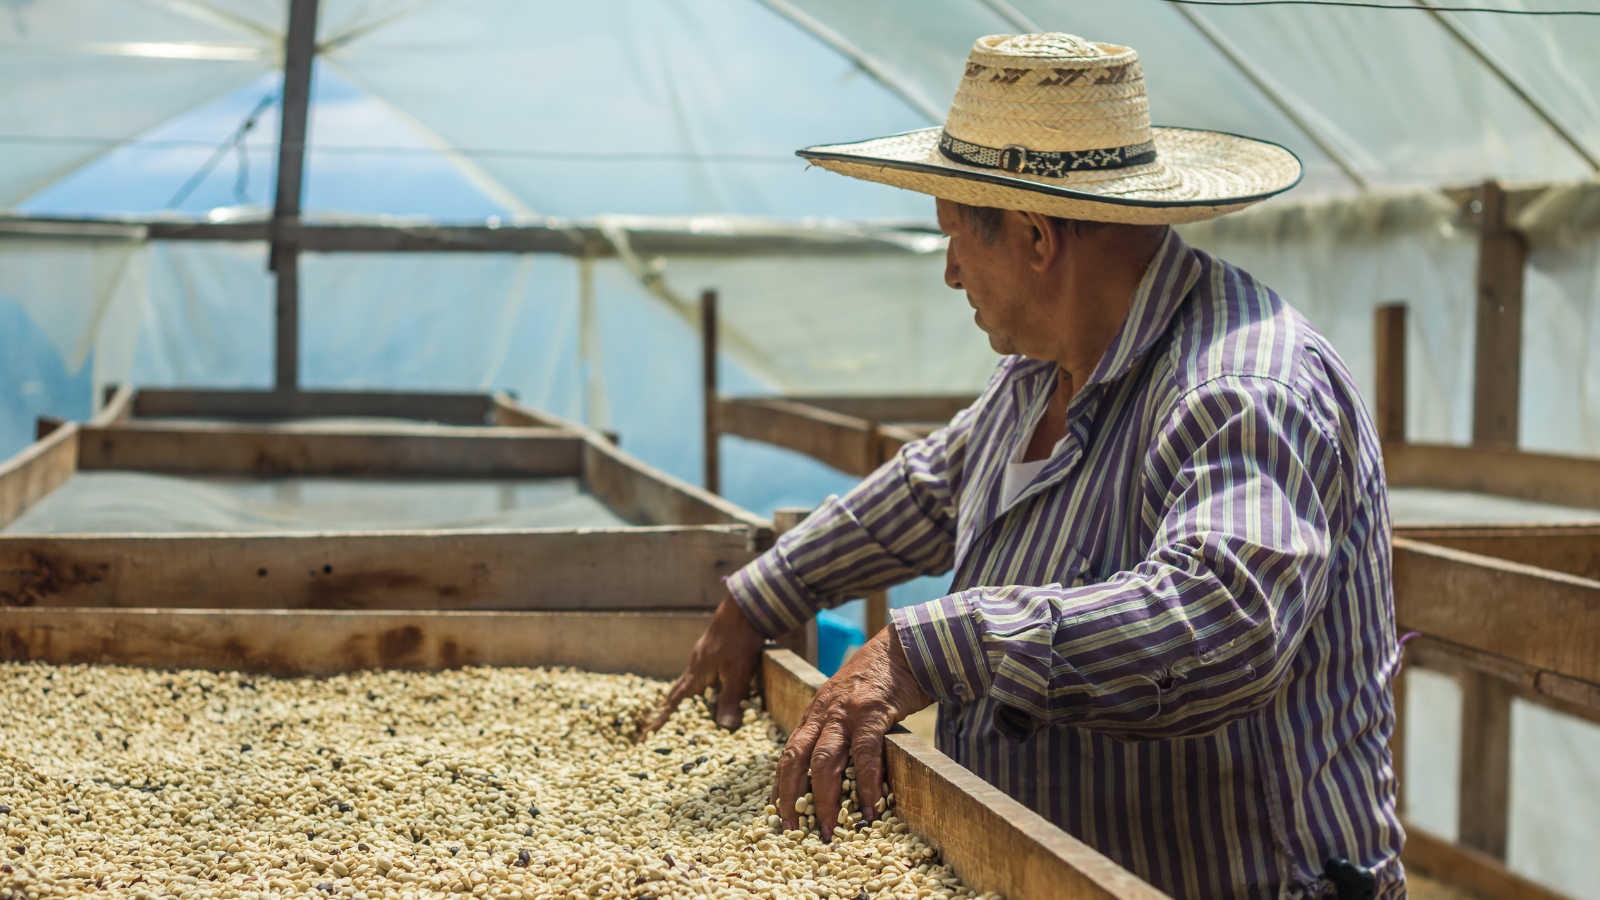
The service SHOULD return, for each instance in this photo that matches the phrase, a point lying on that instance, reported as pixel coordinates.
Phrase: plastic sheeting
(703, 102)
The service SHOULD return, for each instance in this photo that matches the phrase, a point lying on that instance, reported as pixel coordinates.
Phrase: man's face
(996, 279)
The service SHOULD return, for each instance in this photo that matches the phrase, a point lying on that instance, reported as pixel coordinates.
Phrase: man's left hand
(845, 724)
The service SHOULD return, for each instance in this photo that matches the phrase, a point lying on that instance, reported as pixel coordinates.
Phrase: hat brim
(1197, 175)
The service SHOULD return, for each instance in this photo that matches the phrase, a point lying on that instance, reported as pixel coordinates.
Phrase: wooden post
(1389, 352)
(299, 49)
(802, 640)
(1485, 762)
(877, 613)
(708, 393)
(1497, 360)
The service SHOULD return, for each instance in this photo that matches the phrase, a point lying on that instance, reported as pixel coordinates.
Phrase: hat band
(1052, 164)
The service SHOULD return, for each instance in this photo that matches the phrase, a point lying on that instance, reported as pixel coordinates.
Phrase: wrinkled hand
(845, 723)
(727, 655)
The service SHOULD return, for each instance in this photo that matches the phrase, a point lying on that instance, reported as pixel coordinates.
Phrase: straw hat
(1056, 124)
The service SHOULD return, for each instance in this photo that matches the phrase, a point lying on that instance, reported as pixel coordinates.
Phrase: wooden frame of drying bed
(992, 842)
(684, 539)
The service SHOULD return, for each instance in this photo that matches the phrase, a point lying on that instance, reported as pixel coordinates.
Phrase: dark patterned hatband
(1054, 77)
(1057, 164)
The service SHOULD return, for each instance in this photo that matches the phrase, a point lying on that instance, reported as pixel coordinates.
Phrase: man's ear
(1045, 241)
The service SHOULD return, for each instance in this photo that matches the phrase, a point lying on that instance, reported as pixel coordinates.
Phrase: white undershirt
(1019, 475)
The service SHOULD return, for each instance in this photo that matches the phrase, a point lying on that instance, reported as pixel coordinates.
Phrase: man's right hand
(727, 655)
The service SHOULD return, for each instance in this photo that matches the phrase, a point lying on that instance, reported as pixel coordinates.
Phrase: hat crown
(1051, 93)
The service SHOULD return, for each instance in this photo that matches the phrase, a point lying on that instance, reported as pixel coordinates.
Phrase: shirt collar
(1168, 279)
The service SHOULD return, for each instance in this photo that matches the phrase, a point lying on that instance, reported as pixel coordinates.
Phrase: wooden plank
(993, 842)
(320, 449)
(1573, 549)
(1548, 620)
(644, 494)
(1541, 477)
(1569, 696)
(1473, 873)
(678, 567)
(1497, 356)
(844, 442)
(1389, 351)
(286, 643)
(930, 408)
(708, 393)
(118, 406)
(1485, 785)
(36, 470)
(256, 406)
(507, 412)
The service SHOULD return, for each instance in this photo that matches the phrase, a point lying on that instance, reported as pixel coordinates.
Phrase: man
(1170, 628)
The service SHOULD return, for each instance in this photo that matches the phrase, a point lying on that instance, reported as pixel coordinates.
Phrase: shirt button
(961, 689)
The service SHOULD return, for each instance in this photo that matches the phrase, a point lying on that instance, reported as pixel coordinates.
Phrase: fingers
(792, 777)
(736, 675)
(828, 759)
(687, 685)
(866, 752)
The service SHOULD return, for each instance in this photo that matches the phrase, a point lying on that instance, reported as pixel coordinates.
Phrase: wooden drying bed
(993, 842)
(682, 542)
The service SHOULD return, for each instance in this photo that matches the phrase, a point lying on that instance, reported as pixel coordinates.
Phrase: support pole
(1389, 352)
(300, 47)
(1497, 358)
(1485, 809)
(708, 393)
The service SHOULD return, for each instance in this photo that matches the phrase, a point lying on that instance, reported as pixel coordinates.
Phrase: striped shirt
(1176, 644)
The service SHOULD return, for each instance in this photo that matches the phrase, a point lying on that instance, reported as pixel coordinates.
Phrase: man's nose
(952, 269)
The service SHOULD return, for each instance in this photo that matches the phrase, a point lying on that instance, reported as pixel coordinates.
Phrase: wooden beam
(846, 443)
(1541, 477)
(300, 48)
(932, 408)
(319, 449)
(708, 392)
(118, 406)
(644, 494)
(1544, 619)
(877, 617)
(36, 470)
(1568, 696)
(993, 842)
(1485, 781)
(1572, 549)
(266, 406)
(289, 643)
(1497, 358)
(650, 568)
(508, 412)
(1389, 377)
(1467, 870)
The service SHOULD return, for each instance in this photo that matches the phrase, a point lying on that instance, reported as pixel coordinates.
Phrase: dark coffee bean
(533, 811)
(523, 858)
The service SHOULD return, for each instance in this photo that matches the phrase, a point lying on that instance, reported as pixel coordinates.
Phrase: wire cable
(1408, 7)
(234, 142)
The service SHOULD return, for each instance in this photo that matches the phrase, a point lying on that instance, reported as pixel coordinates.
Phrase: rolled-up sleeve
(1199, 633)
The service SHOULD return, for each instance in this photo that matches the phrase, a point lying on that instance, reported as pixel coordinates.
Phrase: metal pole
(299, 48)
(708, 372)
